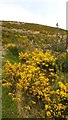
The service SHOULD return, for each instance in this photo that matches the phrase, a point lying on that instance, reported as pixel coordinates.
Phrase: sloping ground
(30, 36)
(26, 37)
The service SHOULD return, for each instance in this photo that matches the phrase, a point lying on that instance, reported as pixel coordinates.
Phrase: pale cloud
(13, 12)
(47, 12)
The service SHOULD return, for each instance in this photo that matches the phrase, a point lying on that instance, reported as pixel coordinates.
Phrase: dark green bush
(13, 50)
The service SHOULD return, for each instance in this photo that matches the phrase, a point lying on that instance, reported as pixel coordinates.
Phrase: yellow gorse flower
(27, 107)
(48, 113)
(33, 102)
(62, 86)
(46, 107)
(10, 45)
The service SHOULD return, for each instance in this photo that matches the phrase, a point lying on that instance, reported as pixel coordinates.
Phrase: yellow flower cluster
(23, 55)
(7, 84)
(10, 45)
(62, 91)
(62, 86)
(27, 107)
(36, 78)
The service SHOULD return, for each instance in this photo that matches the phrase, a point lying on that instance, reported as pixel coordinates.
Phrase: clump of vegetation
(34, 71)
(35, 78)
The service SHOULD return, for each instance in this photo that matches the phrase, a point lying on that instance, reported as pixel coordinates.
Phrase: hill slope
(38, 42)
(29, 36)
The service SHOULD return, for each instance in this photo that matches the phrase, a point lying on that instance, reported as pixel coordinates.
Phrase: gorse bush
(35, 77)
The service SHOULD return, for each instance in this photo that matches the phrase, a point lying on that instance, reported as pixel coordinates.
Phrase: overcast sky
(47, 12)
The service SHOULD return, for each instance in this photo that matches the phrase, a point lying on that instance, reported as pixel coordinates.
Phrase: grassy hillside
(27, 37)
(34, 35)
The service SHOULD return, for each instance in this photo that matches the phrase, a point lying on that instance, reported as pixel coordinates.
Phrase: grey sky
(47, 12)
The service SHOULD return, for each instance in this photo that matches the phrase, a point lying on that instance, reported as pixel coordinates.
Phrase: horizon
(32, 23)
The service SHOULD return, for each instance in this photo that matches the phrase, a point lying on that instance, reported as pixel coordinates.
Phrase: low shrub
(35, 79)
